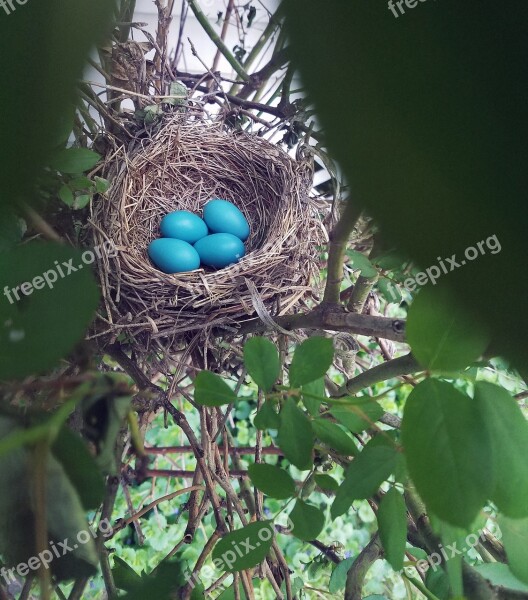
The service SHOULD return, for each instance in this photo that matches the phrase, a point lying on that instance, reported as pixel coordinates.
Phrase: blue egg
(183, 225)
(220, 250)
(173, 256)
(222, 216)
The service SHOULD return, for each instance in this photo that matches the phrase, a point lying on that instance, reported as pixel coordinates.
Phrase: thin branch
(336, 251)
(331, 319)
(215, 38)
(357, 572)
(404, 365)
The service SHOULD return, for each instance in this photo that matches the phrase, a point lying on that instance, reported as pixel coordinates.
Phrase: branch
(332, 319)
(356, 574)
(404, 365)
(215, 38)
(336, 251)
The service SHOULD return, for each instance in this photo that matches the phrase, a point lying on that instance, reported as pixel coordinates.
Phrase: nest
(182, 167)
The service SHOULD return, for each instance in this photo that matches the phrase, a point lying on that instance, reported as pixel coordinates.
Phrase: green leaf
(271, 480)
(332, 435)
(166, 579)
(296, 436)
(435, 186)
(101, 185)
(314, 388)
(308, 521)
(244, 548)
(51, 60)
(74, 160)
(437, 582)
(339, 575)
(39, 328)
(389, 290)
(366, 473)
(212, 390)
(81, 201)
(66, 195)
(261, 360)
(359, 414)
(499, 574)
(392, 523)
(124, 575)
(360, 262)
(311, 360)
(442, 334)
(267, 418)
(325, 482)
(515, 540)
(64, 513)
(12, 229)
(80, 467)
(508, 432)
(456, 479)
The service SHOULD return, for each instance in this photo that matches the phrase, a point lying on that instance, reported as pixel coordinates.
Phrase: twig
(336, 251)
(357, 572)
(388, 370)
(204, 22)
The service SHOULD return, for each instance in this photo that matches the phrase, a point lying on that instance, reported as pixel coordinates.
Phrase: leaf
(74, 160)
(229, 594)
(39, 328)
(339, 575)
(12, 229)
(314, 388)
(362, 263)
(271, 480)
(308, 521)
(212, 390)
(81, 201)
(456, 478)
(392, 523)
(311, 360)
(162, 584)
(267, 418)
(508, 432)
(296, 436)
(261, 360)
(442, 334)
(499, 574)
(389, 290)
(421, 163)
(326, 482)
(66, 195)
(365, 474)
(124, 575)
(80, 467)
(244, 548)
(17, 543)
(332, 435)
(515, 540)
(437, 582)
(101, 185)
(51, 60)
(359, 414)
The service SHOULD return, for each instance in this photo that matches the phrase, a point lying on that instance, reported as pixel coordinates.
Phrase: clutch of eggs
(189, 241)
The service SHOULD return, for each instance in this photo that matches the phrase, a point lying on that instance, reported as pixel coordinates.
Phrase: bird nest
(182, 167)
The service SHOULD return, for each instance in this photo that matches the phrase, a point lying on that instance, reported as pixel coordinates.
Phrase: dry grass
(182, 167)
